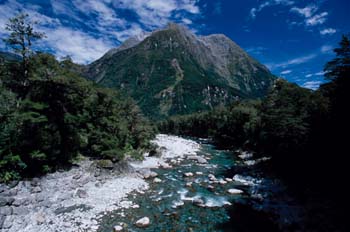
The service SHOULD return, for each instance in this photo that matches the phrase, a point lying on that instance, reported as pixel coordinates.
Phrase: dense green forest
(304, 131)
(49, 114)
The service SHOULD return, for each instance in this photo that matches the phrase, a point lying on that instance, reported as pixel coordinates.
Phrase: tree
(339, 68)
(21, 38)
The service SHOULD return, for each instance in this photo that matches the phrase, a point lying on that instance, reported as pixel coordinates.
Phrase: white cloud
(312, 84)
(156, 13)
(328, 31)
(317, 19)
(187, 21)
(262, 6)
(91, 27)
(310, 16)
(286, 72)
(256, 50)
(307, 11)
(326, 49)
(82, 47)
(294, 61)
(321, 73)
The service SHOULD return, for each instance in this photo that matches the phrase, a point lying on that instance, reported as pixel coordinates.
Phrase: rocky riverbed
(74, 200)
(184, 186)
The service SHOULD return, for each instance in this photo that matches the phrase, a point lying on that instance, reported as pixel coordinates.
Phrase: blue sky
(294, 38)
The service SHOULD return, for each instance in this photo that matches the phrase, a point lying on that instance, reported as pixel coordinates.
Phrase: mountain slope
(8, 56)
(172, 71)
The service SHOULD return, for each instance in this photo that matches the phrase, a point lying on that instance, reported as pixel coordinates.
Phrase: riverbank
(74, 200)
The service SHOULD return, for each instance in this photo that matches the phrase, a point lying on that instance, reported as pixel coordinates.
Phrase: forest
(50, 115)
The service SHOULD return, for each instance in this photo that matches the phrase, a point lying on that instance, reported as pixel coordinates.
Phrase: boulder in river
(157, 180)
(188, 174)
(222, 182)
(143, 222)
(235, 191)
(212, 177)
(197, 158)
(118, 228)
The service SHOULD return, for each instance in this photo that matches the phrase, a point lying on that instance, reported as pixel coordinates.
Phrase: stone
(234, 191)
(222, 182)
(189, 184)
(7, 223)
(165, 166)
(228, 179)
(153, 174)
(147, 174)
(40, 218)
(35, 182)
(198, 202)
(118, 228)
(20, 210)
(105, 164)
(188, 174)
(199, 173)
(77, 176)
(2, 220)
(20, 202)
(143, 222)
(211, 187)
(6, 211)
(197, 158)
(157, 180)
(36, 189)
(212, 177)
(82, 193)
(135, 206)
(6, 201)
(3, 188)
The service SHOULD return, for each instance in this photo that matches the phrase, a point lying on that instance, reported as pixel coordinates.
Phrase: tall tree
(21, 38)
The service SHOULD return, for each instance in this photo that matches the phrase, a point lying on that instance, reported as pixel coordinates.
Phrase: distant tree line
(49, 114)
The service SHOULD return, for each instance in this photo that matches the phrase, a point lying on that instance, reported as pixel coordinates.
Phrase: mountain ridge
(173, 71)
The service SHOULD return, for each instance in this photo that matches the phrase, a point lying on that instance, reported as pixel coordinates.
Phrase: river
(203, 203)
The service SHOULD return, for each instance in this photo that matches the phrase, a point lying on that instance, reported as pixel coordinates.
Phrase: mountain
(8, 56)
(173, 71)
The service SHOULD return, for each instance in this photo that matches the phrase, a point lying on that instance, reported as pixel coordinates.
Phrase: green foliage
(62, 115)
(21, 38)
(167, 79)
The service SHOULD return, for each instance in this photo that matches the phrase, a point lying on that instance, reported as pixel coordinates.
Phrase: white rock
(157, 180)
(210, 187)
(143, 222)
(165, 166)
(118, 228)
(135, 206)
(235, 191)
(188, 174)
(212, 177)
(189, 184)
(228, 179)
(40, 218)
(223, 182)
(199, 173)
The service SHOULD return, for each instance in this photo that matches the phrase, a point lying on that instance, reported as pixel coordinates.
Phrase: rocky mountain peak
(174, 71)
